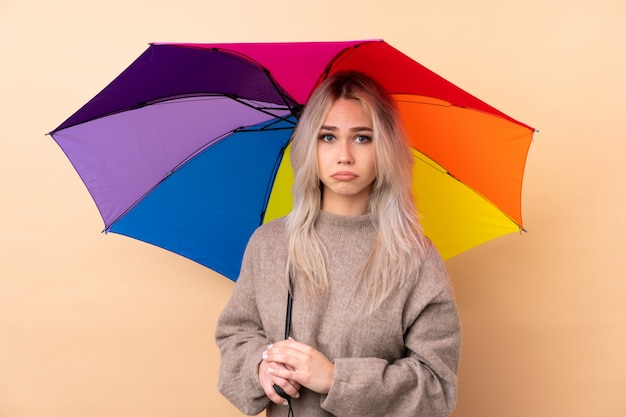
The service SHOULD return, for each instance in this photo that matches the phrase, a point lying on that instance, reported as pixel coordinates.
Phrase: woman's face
(345, 158)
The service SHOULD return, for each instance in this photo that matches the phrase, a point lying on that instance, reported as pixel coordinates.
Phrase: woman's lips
(344, 176)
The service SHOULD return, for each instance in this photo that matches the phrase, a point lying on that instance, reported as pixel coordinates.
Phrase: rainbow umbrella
(188, 148)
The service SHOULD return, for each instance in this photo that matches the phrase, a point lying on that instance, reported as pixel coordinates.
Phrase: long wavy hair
(399, 246)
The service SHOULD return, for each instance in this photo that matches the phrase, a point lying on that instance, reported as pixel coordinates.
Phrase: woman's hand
(301, 364)
(268, 379)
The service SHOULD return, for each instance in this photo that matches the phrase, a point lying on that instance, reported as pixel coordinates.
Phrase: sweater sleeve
(242, 340)
(423, 382)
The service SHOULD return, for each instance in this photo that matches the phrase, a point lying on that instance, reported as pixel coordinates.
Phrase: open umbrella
(187, 149)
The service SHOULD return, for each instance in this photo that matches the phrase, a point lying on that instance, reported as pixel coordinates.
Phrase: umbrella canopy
(187, 149)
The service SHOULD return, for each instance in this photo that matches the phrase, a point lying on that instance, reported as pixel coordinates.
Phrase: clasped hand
(292, 365)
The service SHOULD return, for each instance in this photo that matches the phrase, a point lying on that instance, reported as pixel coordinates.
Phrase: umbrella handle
(277, 388)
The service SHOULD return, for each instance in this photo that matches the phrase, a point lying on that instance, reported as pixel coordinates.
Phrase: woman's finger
(267, 380)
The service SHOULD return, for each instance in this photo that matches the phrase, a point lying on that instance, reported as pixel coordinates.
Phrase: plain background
(95, 325)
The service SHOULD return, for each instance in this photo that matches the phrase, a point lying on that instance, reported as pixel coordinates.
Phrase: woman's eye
(326, 137)
(362, 139)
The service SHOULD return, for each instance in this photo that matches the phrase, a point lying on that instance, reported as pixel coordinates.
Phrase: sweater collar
(362, 224)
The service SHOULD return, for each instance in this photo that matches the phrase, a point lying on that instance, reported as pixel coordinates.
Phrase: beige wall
(94, 325)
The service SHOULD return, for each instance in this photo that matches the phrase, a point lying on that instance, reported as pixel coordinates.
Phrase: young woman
(374, 326)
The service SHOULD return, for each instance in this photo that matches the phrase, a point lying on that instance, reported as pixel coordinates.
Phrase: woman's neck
(346, 206)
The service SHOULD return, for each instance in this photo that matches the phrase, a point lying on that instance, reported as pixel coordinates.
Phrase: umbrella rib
(265, 110)
(270, 111)
(342, 55)
(199, 96)
(291, 104)
(270, 184)
(295, 107)
(218, 139)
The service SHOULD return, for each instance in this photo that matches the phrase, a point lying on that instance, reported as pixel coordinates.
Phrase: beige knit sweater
(399, 361)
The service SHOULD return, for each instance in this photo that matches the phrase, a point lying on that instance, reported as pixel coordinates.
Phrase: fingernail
(286, 403)
(270, 346)
(297, 395)
(264, 356)
(270, 370)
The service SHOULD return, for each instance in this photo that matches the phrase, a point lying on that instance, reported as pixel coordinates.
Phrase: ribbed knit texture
(399, 361)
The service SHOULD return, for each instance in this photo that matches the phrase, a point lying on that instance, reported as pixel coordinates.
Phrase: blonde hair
(399, 246)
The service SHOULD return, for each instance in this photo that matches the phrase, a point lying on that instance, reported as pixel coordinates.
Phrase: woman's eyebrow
(352, 129)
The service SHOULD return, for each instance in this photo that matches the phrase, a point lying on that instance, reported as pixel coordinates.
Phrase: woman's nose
(345, 153)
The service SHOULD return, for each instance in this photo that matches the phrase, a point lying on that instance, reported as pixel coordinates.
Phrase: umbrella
(187, 148)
